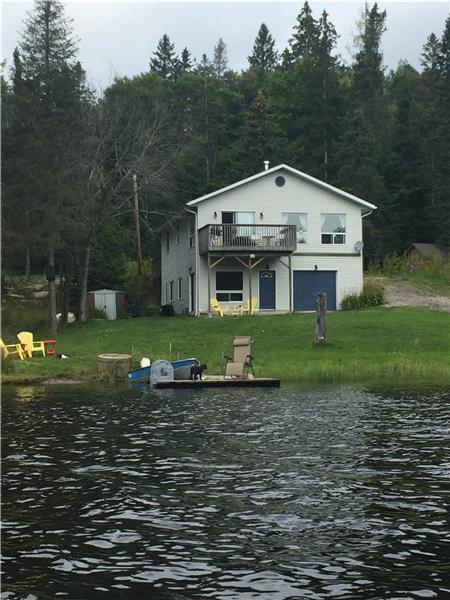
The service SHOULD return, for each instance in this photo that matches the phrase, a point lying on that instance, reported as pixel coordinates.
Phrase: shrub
(97, 313)
(372, 295)
(167, 310)
(138, 287)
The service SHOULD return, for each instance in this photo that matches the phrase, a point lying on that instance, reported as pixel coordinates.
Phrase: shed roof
(367, 205)
(104, 291)
(430, 250)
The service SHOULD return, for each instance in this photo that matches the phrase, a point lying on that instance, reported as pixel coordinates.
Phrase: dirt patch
(403, 293)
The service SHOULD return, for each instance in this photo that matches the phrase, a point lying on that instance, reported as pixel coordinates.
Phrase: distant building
(417, 252)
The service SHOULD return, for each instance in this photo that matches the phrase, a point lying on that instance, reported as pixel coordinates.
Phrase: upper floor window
(300, 220)
(191, 233)
(333, 229)
(167, 241)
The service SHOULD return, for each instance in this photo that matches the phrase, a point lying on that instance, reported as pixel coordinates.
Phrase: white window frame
(333, 233)
(180, 285)
(304, 235)
(229, 292)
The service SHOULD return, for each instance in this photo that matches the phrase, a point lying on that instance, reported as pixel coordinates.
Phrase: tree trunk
(67, 288)
(52, 289)
(321, 318)
(84, 280)
(27, 246)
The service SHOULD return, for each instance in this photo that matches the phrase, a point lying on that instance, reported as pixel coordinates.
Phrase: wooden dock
(218, 382)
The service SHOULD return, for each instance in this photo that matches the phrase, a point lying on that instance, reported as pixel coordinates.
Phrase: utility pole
(138, 228)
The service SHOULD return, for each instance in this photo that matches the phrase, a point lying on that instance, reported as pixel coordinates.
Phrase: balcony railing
(253, 239)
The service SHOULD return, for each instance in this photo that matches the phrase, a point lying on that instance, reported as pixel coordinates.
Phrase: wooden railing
(232, 237)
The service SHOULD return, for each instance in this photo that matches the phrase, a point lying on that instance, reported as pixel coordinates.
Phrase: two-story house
(279, 236)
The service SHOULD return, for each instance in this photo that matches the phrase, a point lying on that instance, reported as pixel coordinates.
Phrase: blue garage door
(308, 283)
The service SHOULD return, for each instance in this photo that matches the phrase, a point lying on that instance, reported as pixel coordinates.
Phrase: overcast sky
(118, 38)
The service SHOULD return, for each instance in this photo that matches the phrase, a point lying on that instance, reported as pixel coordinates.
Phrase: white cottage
(279, 237)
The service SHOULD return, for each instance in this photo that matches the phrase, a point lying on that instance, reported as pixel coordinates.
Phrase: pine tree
(220, 60)
(185, 63)
(52, 131)
(165, 62)
(305, 38)
(264, 56)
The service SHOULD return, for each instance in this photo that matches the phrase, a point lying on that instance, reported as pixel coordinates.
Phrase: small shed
(111, 302)
(419, 251)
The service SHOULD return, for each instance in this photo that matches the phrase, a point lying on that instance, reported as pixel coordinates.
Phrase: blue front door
(308, 283)
(267, 287)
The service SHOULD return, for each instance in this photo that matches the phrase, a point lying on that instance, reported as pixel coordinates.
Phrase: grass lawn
(371, 345)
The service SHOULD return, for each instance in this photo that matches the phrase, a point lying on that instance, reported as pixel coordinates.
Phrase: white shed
(111, 302)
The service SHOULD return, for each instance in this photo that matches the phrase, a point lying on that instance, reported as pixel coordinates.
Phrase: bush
(97, 313)
(372, 295)
(138, 287)
(167, 310)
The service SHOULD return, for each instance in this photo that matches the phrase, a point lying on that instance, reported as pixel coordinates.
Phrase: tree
(185, 64)
(305, 38)
(264, 56)
(52, 128)
(220, 60)
(165, 62)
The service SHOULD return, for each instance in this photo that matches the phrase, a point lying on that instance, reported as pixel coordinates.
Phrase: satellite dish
(358, 247)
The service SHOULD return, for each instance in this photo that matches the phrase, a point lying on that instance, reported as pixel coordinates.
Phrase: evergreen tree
(49, 87)
(264, 56)
(165, 62)
(305, 38)
(185, 63)
(220, 60)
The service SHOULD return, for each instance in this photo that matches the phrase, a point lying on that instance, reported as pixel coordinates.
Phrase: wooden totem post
(320, 333)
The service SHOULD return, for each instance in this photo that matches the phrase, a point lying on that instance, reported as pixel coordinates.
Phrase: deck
(218, 382)
(247, 239)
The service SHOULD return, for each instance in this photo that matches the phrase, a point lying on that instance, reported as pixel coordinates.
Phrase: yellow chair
(217, 309)
(249, 307)
(11, 350)
(26, 339)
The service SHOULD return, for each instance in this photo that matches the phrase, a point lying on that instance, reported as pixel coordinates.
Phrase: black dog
(197, 371)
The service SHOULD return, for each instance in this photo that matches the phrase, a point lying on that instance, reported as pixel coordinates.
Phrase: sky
(118, 38)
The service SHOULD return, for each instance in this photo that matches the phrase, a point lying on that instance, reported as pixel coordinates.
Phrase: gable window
(171, 291)
(229, 286)
(300, 220)
(180, 283)
(333, 229)
(167, 241)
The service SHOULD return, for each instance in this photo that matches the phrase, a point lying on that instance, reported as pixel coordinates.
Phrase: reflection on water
(267, 494)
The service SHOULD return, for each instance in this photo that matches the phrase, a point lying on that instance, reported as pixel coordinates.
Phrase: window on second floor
(333, 228)
(191, 233)
(300, 220)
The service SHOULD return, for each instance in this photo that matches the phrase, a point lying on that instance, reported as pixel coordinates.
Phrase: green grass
(373, 345)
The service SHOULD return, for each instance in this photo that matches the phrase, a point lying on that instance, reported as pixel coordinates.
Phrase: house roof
(369, 207)
(430, 250)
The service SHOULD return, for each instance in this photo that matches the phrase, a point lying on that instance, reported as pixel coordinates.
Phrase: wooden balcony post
(250, 285)
(290, 282)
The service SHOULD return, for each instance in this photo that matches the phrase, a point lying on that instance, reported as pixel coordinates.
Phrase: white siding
(175, 264)
(297, 195)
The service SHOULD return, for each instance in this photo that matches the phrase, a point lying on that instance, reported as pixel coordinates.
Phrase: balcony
(247, 239)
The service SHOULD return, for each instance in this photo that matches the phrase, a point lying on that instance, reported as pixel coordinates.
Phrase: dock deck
(218, 382)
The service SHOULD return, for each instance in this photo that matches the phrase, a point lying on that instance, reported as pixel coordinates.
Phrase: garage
(308, 283)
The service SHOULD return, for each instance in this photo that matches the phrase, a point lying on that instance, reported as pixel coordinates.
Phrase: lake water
(249, 494)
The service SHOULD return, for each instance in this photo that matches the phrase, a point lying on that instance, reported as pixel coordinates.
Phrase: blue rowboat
(182, 368)
(141, 375)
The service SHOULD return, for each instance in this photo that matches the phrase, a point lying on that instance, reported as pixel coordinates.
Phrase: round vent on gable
(280, 181)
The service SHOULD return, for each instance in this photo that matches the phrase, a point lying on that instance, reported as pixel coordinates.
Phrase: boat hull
(141, 375)
(182, 368)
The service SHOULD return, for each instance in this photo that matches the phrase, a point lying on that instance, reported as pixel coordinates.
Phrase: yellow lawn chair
(11, 350)
(217, 309)
(26, 339)
(249, 307)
